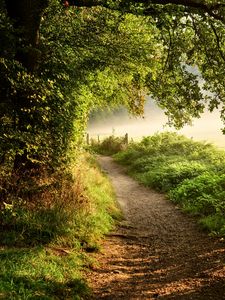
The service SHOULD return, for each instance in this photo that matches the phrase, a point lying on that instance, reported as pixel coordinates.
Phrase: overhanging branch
(215, 10)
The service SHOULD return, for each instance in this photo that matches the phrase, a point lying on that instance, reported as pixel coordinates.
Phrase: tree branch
(214, 10)
(218, 41)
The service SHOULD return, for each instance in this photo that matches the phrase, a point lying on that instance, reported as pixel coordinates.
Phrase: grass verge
(44, 245)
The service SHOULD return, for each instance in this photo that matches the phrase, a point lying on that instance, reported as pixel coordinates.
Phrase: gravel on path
(158, 252)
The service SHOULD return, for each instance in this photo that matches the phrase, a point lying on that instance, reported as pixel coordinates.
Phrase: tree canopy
(60, 59)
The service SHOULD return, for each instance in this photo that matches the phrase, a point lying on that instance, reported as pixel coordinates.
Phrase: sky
(207, 128)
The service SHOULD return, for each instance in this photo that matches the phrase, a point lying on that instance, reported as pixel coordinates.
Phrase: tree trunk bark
(26, 18)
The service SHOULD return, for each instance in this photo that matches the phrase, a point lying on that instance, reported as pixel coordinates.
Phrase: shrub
(207, 183)
(169, 176)
(110, 145)
(204, 196)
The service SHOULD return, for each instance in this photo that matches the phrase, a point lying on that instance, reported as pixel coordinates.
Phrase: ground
(158, 252)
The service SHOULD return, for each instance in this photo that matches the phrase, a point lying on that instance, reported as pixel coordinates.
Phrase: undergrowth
(45, 238)
(191, 173)
(109, 145)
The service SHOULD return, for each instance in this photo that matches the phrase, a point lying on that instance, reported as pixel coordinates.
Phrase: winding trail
(158, 252)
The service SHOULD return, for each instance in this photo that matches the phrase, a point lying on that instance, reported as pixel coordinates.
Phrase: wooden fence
(99, 138)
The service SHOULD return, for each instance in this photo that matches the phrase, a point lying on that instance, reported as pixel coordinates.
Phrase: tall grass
(45, 236)
(109, 145)
(191, 173)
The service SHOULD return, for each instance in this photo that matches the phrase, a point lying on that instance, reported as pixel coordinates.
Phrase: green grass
(40, 273)
(191, 173)
(44, 246)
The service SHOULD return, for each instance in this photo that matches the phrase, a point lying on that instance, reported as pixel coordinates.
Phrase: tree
(71, 58)
(45, 104)
(192, 33)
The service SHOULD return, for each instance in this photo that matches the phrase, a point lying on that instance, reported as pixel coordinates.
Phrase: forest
(60, 61)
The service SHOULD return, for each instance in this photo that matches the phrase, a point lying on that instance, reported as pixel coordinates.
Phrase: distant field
(207, 128)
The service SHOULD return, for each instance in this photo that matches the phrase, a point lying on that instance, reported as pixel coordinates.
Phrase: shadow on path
(158, 252)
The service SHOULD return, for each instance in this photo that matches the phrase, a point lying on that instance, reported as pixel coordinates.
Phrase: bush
(169, 176)
(110, 145)
(203, 194)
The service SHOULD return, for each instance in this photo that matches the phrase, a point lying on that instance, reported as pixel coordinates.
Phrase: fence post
(126, 139)
(88, 139)
(98, 139)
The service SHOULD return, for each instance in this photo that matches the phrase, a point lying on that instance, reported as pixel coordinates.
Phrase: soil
(158, 252)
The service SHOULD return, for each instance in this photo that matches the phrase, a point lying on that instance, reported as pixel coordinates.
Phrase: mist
(207, 128)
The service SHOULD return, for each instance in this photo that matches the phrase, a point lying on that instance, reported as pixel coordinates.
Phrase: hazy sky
(208, 127)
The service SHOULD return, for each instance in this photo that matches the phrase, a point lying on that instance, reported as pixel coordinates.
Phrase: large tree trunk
(26, 18)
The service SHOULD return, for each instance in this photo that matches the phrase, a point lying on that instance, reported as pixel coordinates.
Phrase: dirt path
(158, 252)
